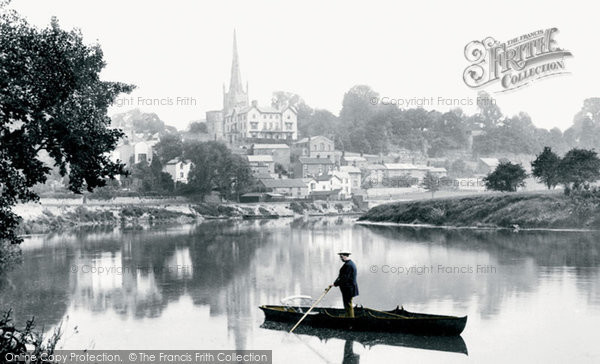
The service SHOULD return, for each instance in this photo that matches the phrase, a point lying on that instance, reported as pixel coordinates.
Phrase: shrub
(206, 209)
(25, 341)
(225, 210)
(298, 208)
(132, 211)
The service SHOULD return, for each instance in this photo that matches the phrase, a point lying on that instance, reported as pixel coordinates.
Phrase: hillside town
(287, 163)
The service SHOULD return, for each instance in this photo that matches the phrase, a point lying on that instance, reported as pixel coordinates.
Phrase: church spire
(235, 97)
(235, 83)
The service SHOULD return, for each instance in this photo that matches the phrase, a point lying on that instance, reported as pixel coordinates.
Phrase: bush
(16, 342)
(225, 210)
(586, 202)
(205, 209)
(298, 208)
(132, 211)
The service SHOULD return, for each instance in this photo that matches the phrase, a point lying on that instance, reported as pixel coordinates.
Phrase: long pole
(310, 309)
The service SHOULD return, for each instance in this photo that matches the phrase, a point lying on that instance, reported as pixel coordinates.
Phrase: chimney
(254, 103)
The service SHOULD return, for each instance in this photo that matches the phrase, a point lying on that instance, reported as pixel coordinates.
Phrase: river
(529, 296)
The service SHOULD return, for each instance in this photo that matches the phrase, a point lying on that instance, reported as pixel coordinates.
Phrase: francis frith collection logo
(516, 62)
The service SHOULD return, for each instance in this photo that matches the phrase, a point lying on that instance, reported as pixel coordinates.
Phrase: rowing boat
(368, 319)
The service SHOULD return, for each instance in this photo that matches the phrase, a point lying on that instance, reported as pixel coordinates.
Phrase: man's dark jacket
(347, 280)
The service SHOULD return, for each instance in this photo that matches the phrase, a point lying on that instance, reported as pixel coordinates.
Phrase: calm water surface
(536, 297)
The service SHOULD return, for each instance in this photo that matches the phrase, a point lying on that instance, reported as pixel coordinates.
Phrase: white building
(338, 183)
(142, 152)
(345, 182)
(260, 122)
(355, 176)
(136, 148)
(179, 170)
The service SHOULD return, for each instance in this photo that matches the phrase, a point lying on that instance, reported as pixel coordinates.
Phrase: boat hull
(398, 320)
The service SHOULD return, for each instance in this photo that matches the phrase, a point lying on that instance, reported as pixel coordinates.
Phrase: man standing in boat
(346, 280)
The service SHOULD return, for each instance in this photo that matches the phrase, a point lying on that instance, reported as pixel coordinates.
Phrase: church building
(241, 122)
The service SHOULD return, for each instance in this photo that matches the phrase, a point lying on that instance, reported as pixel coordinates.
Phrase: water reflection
(452, 344)
(523, 260)
(227, 268)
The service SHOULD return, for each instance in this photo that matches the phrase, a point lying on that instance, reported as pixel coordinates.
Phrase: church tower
(236, 97)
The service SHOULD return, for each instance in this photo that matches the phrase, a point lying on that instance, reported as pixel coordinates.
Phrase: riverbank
(58, 214)
(508, 210)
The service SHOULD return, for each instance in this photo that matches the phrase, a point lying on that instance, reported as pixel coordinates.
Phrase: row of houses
(335, 185)
(312, 167)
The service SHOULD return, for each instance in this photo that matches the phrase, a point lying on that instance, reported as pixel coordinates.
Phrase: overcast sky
(318, 49)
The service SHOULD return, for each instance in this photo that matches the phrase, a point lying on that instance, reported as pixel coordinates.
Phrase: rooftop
(355, 158)
(316, 137)
(263, 176)
(355, 154)
(260, 158)
(261, 109)
(491, 162)
(308, 160)
(326, 177)
(252, 194)
(326, 193)
(283, 183)
(406, 166)
(375, 166)
(349, 169)
(270, 146)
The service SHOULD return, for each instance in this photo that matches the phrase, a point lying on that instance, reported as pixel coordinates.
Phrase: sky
(178, 53)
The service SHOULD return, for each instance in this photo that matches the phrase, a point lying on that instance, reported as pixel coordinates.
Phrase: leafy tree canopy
(579, 167)
(52, 100)
(216, 168)
(506, 177)
(546, 167)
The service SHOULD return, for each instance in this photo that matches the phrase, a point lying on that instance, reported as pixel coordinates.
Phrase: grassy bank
(527, 210)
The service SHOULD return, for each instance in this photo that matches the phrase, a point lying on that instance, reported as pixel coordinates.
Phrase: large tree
(216, 168)
(51, 100)
(149, 178)
(169, 147)
(579, 167)
(507, 177)
(546, 167)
